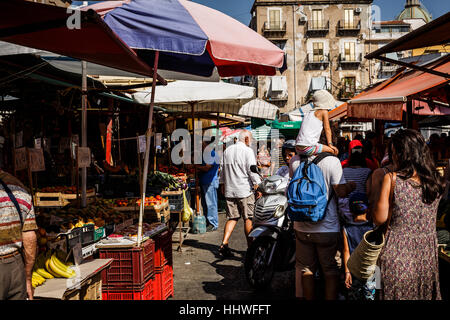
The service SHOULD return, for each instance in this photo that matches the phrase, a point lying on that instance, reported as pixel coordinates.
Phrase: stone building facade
(324, 42)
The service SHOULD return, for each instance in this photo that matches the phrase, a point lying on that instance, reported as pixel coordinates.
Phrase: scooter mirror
(254, 169)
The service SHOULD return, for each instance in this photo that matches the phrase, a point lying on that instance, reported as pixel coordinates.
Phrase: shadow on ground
(214, 249)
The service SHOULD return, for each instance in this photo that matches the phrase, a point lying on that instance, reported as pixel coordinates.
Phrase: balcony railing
(349, 26)
(345, 58)
(389, 68)
(312, 58)
(317, 27)
(274, 26)
(346, 94)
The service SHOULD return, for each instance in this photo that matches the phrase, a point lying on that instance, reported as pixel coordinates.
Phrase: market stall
(84, 229)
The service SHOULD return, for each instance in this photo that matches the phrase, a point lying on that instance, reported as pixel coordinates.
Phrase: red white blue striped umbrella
(190, 37)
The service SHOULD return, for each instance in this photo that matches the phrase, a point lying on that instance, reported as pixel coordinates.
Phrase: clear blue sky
(240, 9)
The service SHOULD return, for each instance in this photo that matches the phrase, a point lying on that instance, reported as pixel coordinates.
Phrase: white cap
(322, 99)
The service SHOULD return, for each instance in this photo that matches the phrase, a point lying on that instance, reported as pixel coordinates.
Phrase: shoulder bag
(13, 199)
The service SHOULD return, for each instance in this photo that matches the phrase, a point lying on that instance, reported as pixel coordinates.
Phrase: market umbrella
(190, 37)
(184, 36)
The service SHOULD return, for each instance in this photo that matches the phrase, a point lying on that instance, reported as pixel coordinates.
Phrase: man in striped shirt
(17, 242)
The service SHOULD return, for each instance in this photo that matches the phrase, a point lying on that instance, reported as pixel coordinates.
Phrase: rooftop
(414, 10)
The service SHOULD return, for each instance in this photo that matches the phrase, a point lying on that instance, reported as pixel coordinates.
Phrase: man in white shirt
(318, 242)
(238, 183)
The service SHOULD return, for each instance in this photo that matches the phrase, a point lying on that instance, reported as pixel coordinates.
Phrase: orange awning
(338, 112)
(387, 100)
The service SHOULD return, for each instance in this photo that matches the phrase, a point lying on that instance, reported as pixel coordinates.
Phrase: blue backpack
(307, 192)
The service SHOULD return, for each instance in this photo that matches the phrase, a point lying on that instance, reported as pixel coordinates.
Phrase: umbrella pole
(83, 130)
(195, 167)
(147, 150)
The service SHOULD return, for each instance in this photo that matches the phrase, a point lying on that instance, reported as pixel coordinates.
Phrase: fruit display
(135, 202)
(166, 181)
(50, 265)
(152, 201)
(99, 213)
(131, 231)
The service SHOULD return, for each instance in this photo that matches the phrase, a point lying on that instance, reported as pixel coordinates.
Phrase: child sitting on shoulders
(307, 143)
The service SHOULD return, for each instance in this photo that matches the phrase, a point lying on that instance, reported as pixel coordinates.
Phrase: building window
(275, 19)
(280, 44)
(317, 51)
(317, 19)
(348, 19)
(349, 51)
(349, 86)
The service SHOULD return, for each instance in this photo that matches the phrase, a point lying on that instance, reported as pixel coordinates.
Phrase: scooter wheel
(258, 270)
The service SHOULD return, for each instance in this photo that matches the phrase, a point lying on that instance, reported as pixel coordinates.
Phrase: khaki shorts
(313, 249)
(240, 207)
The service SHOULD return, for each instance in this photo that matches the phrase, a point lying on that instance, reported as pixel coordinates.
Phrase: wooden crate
(160, 213)
(72, 196)
(49, 199)
(90, 290)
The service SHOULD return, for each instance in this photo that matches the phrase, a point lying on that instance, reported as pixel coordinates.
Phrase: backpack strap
(322, 156)
(13, 199)
(316, 161)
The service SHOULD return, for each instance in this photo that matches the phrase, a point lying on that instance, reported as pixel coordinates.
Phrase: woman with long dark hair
(409, 259)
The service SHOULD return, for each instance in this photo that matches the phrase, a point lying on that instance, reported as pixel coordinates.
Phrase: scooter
(273, 239)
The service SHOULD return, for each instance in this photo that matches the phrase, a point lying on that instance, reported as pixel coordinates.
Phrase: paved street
(200, 273)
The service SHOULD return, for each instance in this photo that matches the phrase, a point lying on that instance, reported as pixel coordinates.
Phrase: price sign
(142, 144)
(21, 159)
(37, 162)
(37, 143)
(84, 157)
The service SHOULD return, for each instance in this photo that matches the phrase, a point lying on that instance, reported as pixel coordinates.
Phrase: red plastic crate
(163, 283)
(146, 292)
(163, 249)
(131, 267)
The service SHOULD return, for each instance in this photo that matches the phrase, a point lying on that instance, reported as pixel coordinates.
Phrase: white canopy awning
(209, 97)
(258, 108)
(182, 92)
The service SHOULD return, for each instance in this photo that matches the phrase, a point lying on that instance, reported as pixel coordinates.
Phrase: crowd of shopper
(394, 186)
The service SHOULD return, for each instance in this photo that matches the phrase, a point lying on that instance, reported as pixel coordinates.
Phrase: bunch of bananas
(36, 279)
(48, 266)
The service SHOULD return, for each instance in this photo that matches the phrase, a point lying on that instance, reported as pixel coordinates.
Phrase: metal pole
(409, 114)
(83, 129)
(195, 167)
(147, 150)
(295, 61)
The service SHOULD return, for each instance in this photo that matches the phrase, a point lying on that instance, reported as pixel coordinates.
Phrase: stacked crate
(131, 275)
(163, 281)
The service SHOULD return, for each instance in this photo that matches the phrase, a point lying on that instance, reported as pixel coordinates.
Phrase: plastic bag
(187, 210)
